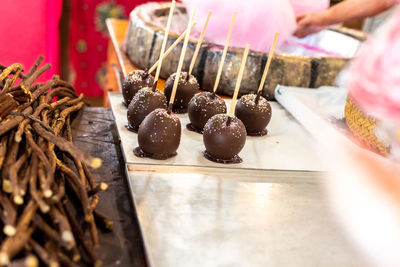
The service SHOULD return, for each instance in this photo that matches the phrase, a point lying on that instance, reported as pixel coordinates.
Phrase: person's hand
(309, 23)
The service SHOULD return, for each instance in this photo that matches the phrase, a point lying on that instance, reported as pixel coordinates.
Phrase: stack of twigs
(10, 96)
(48, 195)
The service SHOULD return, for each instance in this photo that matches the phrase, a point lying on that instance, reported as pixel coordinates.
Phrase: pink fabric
(374, 78)
(256, 21)
(29, 29)
(307, 6)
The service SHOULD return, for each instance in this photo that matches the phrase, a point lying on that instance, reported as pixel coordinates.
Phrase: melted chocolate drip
(235, 160)
(138, 152)
(132, 129)
(191, 128)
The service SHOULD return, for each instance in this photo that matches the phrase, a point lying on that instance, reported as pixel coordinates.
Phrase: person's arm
(344, 11)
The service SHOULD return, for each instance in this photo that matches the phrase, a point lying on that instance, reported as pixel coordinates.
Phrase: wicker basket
(363, 127)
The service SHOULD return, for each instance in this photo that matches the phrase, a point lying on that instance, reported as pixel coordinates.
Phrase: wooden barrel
(143, 45)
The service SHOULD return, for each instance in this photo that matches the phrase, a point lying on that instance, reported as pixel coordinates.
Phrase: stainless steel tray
(196, 216)
(287, 147)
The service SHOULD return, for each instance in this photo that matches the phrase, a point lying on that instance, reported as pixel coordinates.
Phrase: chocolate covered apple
(133, 82)
(159, 135)
(253, 109)
(255, 113)
(224, 137)
(143, 103)
(202, 107)
(187, 88)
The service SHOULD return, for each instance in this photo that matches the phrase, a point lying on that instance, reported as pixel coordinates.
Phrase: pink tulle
(256, 22)
(307, 6)
(374, 75)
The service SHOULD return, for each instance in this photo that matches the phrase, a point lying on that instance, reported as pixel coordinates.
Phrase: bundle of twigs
(10, 96)
(48, 195)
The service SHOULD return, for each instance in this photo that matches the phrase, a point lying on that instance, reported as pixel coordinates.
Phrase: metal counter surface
(211, 217)
(196, 213)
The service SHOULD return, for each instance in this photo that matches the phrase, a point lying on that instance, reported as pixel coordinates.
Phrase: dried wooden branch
(40, 187)
(28, 261)
(103, 222)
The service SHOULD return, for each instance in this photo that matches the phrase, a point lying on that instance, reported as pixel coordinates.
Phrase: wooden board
(144, 38)
(94, 131)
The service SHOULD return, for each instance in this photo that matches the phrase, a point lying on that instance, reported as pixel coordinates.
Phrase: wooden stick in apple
(145, 100)
(169, 50)
(164, 43)
(264, 76)
(180, 64)
(221, 64)
(224, 135)
(254, 110)
(159, 134)
(199, 42)
(139, 79)
(239, 80)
